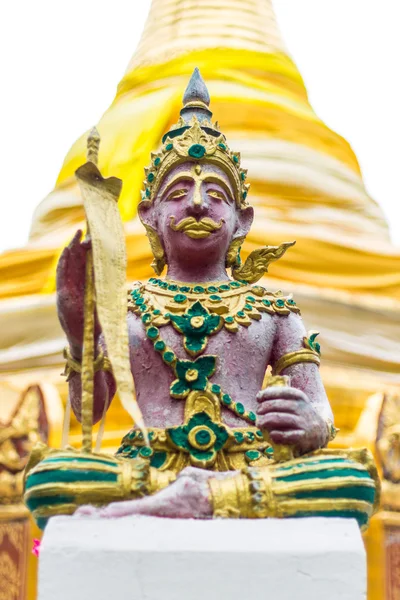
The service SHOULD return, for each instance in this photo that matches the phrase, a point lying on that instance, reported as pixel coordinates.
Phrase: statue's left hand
(187, 498)
(290, 419)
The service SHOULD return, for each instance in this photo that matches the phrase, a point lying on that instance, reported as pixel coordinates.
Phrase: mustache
(196, 229)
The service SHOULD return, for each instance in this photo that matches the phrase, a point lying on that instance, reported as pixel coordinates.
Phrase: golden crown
(195, 138)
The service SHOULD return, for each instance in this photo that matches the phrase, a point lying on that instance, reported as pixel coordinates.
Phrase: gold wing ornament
(258, 261)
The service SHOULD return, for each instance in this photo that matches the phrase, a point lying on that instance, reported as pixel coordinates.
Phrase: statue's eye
(177, 194)
(216, 194)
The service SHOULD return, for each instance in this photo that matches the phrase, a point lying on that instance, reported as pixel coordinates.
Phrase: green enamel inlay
(153, 333)
(203, 437)
(139, 301)
(172, 287)
(252, 455)
(196, 325)
(352, 492)
(156, 312)
(148, 193)
(250, 436)
(146, 318)
(160, 346)
(280, 303)
(169, 147)
(215, 298)
(250, 299)
(212, 289)
(226, 399)
(68, 476)
(222, 146)
(235, 284)
(216, 389)
(224, 288)
(326, 475)
(239, 408)
(184, 288)
(168, 356)
(145, 452)
(259, 434)
(235, 159)
(229, 319)
(198, 289)
(196, 151)
(150, 177)
(266, 302)
(243, 176)
(204, 366)
(157, 161)
(252, 416)
(248, 307)
(180, 298)
(34, 503)
(158, 459)
(244, 195)
(241, 314)
(239, 437)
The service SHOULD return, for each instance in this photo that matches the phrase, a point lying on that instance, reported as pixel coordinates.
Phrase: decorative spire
(196, 99)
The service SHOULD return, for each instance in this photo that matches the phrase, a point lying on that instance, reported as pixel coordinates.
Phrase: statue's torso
(242, 359)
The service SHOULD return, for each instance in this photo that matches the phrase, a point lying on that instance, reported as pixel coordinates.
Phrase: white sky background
(61, 62)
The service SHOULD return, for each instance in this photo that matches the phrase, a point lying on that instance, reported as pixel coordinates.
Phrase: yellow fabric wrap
(100, 198)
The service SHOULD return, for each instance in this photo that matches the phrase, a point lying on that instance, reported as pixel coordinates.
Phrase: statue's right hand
(70, 278)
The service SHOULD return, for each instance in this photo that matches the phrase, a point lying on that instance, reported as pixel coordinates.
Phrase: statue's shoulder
(274, 302)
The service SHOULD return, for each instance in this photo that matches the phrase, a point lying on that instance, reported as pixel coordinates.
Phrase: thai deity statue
(226, 377)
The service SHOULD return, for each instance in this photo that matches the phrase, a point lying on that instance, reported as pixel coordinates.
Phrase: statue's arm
(298, 415)
(70, 300)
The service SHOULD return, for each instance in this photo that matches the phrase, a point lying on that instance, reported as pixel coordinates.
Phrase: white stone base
(145, 558)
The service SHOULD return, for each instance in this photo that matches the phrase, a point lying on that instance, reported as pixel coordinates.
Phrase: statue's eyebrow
(184, 176)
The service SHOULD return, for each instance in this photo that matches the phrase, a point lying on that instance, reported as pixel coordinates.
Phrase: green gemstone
(126, 449)
(226, 399)
(148, 193)
(153, 280)
(198, 289)
(150, 177)
(252, 416)
(235, 159)
(139, 301)
(248, 307)
(250, 299)
(145, 451)
(172, 287)
(234, 284)
(224, 288)
(184, 288)
(153, 333)
(196, 151)
(222, 146)
(215, 388)
(266, 302)
(212, 289)
(140, 436)
(239, 437)
(146, 318)
(291, 302)
(132, 434)
(239, 408)
(250, 436)
(168, 356)
(180, 298)
(229, 319)
(143, 308)
(244, 195)
(157, 161)
(259, 434)
(280, 303)
(156, 312)
(252, 454)
(240, 314)
(203, 437)
(163, 285)
(169, 147)
(215, 298)
(159, 346)
(243, 176)
(269, 452)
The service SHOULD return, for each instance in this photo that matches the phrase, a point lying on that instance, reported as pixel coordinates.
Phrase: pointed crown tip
(196, 89)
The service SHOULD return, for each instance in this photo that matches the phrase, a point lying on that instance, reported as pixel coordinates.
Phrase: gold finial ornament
(258, 261)
(93, 145)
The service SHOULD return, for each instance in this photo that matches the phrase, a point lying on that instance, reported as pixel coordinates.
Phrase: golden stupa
(305, 185)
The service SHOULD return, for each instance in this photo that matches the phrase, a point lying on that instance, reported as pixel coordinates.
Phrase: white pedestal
(145, 558)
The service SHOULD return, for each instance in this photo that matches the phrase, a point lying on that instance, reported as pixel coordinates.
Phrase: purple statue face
(195, 214)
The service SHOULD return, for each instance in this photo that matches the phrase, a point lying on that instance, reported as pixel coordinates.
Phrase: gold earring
(160, 260)
(233, 254)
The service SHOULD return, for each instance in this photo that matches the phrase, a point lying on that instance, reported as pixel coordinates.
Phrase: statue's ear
(245, 218)
(147, 213)
(147, 216)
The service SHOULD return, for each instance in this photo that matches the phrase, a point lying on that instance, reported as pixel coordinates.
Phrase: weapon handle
(87, 375)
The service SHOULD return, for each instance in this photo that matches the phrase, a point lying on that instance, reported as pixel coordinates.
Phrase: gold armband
(229, 497)
(102, 363)
(309, 354)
